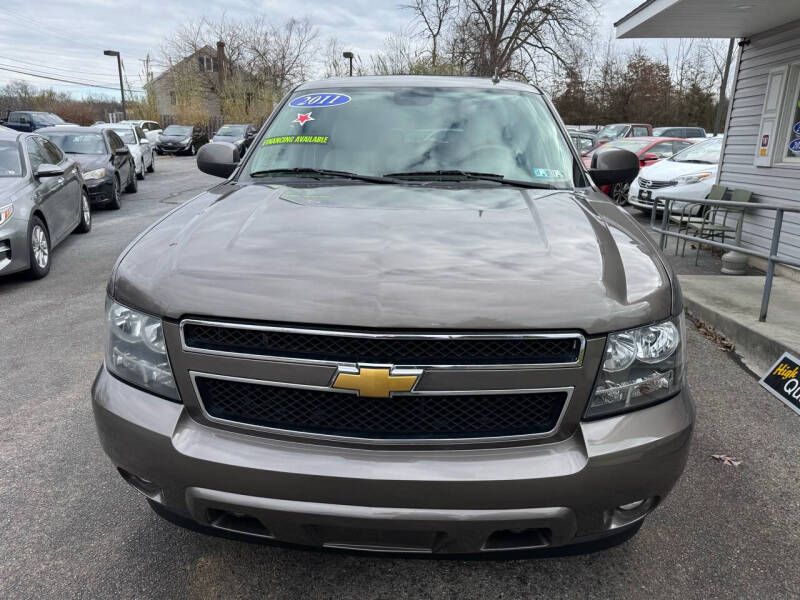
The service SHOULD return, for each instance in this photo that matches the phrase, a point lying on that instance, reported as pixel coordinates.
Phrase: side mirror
(614, 166)
(123, 150)
(651, 156)
(48, 170)
(218, 158)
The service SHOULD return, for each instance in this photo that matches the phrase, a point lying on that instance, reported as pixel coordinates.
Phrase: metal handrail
(771, 257)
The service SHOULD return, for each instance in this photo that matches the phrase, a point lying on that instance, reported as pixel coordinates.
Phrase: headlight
(96, 174)
(136, 352)
(693, 178)
(6, 212)
(640, 367)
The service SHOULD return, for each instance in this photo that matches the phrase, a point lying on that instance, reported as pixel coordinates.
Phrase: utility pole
(349, 55)
(121, 87)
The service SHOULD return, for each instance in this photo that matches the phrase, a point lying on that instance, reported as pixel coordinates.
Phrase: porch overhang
(706, 18)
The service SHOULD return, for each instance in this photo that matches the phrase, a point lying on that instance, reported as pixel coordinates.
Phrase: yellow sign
(375, 382)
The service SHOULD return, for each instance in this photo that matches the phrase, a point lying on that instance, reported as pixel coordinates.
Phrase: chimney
(221, 63)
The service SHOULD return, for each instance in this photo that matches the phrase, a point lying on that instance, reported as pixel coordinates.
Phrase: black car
(239, 134)
(104, 158)
(181, 139)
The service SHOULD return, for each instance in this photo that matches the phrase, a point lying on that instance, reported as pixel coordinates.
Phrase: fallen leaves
(722, 342)
(727, 460)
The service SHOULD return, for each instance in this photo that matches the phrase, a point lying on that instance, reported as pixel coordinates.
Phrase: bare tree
(281, 56)
(433, 14)
(509, 36)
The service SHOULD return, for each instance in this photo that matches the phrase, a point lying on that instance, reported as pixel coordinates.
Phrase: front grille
(399, 417)
(422, 350)
(649, 184)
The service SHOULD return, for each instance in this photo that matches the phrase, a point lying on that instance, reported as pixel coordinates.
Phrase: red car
(648, 149)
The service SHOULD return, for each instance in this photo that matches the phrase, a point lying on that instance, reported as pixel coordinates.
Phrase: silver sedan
(42, 200)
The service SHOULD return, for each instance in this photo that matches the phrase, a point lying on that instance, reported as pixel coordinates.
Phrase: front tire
(39, 248)
(116, 195)
(619, 193)
(152, 166)
(140, 174)
(132, 186)
(192, 150)
(85, 226)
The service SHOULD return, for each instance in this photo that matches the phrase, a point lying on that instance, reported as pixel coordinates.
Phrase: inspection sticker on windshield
(783, 381)
(295, 139)
(320, 100)
(551, 173)
(303, 118)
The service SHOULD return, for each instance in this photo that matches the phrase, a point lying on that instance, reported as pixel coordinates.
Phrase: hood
(89, 162)
(9, 186)
(231, 139)
(667, 170)
(398, 257)
(173, 138)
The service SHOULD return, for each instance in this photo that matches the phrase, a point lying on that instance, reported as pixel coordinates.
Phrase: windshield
(704, 152)
(126, 135)
(634, 146)
(612, 131)
(10, 164)
(178, 130)
(381, 131)
(659, 131)
(231, 131)
(49, 118)
(78, 143)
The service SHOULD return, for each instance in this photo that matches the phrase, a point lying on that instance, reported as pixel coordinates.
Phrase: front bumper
(173, 148)
(690, 193)
(14, 252)
(101, 191)
(443, 501)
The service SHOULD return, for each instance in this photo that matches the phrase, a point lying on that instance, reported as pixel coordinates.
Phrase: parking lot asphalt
(71, 528)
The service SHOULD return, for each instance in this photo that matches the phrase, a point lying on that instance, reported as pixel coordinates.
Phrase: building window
(790, 124)
(207, 63)
(173, 99)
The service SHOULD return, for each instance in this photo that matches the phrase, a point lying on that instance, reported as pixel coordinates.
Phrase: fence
(772, 257)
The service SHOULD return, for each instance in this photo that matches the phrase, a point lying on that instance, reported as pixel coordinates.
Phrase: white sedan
(688, 175)
(141, 147)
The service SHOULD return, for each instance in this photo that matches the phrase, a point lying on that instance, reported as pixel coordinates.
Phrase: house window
(173, 99)
(207, 63)
(790, 123)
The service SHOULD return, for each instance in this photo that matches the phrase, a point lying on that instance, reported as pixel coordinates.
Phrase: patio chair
(695, 213)
(711, 227)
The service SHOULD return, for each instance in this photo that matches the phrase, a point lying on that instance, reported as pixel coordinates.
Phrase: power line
(52, 68)
(83, 83)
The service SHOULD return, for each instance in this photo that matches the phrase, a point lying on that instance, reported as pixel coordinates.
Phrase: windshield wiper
(326, 172)
(475, 176)
(695, 161)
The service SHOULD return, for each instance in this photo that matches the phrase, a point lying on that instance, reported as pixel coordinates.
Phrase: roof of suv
(417, 81)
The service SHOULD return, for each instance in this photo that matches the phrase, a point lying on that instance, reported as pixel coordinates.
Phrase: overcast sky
(66, 38)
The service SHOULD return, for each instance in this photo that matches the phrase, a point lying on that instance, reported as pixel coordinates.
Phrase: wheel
(152, 166)
(192, 150)
(140, 174)
(619, 193)
(116, 195)
(159, 152)
(132, 186)
(39, 248)
(85, 226)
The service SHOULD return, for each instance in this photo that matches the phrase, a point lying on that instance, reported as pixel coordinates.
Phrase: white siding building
(762, 135)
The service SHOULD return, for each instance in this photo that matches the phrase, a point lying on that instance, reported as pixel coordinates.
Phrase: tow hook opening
(518, 539)
(237, 523)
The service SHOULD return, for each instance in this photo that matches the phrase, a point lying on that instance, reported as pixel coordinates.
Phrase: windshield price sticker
(295, 139)
(550, 173)
(320, 100)
(783, 381)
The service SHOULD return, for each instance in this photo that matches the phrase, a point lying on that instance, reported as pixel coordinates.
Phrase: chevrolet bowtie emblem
(376, 382)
